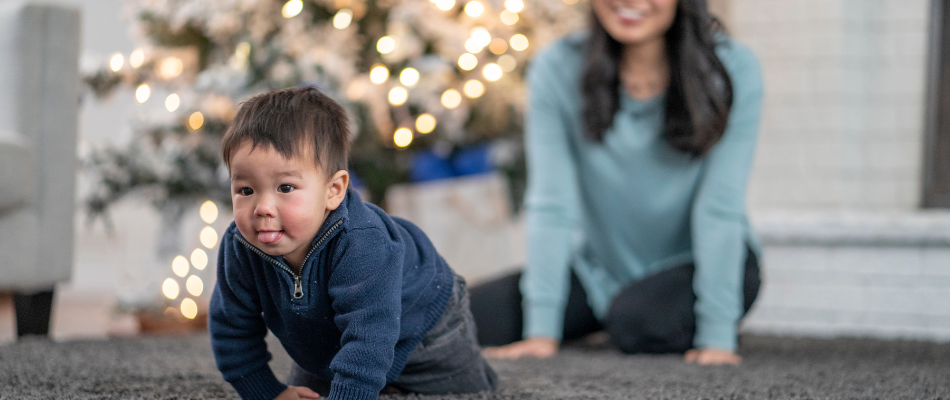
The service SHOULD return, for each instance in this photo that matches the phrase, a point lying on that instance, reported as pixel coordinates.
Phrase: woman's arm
(719, 211)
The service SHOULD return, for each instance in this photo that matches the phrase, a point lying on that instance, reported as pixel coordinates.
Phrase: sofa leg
(33, 312)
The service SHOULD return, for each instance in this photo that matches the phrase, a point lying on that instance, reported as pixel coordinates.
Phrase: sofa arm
(17, 171)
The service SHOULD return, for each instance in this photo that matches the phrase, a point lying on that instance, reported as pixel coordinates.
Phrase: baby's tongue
(268, 237)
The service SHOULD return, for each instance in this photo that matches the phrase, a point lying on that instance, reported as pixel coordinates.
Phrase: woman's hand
(538, 347)
(297, 393)
(710, 356)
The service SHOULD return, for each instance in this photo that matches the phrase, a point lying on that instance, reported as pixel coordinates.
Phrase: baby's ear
(337, 189)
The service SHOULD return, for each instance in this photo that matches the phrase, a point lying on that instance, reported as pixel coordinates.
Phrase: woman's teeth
(629, 13)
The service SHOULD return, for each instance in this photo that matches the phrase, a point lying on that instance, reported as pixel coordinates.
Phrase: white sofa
(39, 84)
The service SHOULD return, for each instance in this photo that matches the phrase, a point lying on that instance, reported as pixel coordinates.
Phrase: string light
(208, 212)
(142, 92)
(474, 8)
(409, 77)
(180, 266)
(519, 42)
(172, 102)
(509, 18)
(378, 74)
(170, 289)
(398, 96)
(137, 58)
(208, 237)
(451, 98)
(199, 259)
(468, 61)
(194, 285)
(514, 6)
(188, 307)
(474, 88)
(492, 72)
(196, 120)
(425, 123)
(343, 18)
(116, 62)
(402, 137)
(171, 67)
(386, 45)
(445, 5)
(498, 46)
(292, 8)
(507, 63)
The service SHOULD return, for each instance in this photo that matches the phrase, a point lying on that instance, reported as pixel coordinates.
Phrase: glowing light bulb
(343, 18)
(492, 72)
(116, 62)
(509, 18)
(507, 63)
(445, 5)
(172, 102)
(194, 285)
(137, 58)
(402, 137)
(468, 61)
(514, 6)
(409, 77)
(142, 93)
(498, 46)
(208, 237)
(398, 96)
(474, 8)
(474, 88)
(180, 266)
(292, 8)
(451, 98)
(519, 42)
(385, 45)
(199, 259)
(378, 74)
(170, 289)
(425, 123)
(171, 67)
(208, 212)
(188, 307)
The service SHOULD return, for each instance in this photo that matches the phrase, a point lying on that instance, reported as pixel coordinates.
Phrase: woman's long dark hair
(700, 91)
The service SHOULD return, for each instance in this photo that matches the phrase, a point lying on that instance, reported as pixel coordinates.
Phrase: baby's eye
(285, 188)
(246, 191)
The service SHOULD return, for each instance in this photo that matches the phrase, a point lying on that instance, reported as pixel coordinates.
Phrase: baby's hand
(297, 393)
(709, 356)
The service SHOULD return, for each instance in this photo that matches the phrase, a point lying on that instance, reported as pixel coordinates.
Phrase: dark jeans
(448, 360)
(652, 315)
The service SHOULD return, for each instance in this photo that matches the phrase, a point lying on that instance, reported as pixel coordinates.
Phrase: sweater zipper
(298, 285)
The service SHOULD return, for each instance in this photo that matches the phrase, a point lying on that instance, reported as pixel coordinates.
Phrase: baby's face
(279, 203)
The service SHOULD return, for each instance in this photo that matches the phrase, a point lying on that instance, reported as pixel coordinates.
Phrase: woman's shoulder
(564, 55)
(738, 59)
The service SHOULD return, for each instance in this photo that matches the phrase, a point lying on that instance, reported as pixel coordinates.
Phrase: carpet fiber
(773, 368)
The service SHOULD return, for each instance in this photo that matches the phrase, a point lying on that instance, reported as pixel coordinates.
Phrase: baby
(360, 300)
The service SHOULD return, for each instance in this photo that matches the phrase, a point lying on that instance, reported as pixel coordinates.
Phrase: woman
(640, 135)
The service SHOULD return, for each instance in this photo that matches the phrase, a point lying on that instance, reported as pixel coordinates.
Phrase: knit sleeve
(718, 214)
(237, 327)
(365, 289)
(550, 201)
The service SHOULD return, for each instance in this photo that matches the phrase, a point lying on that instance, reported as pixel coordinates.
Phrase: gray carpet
(773, 368)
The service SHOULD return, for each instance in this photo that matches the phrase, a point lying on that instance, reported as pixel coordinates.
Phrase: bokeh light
(409, 77)
(170, 289)
(398, 96)
(171, 67)
(519, 42)
(208, 212)
(498, 46)
(116, 62)
(199, 259)
(507, 63)
(194, 285)
(385, 45)
(451, 98)
(474, 88)
(509, 18)
(180, 266)
(445, 5)
(172, 102)
(188, 307)
(402, 137)
(468, 61)
(378, 74)
(196, 120)
(492, 72)
(474, 8)
(425, 123)
(137, 58)
(343, 18)
(142, 93)
(208, 237)
(514, 6)
(292, 8)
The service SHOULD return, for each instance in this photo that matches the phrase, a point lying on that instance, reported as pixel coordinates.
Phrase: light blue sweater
(619, 211)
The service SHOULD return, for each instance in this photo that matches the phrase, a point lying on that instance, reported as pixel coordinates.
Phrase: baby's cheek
(301, 218)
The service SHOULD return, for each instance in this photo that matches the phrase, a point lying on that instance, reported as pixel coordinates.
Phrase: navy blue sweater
(369, 290)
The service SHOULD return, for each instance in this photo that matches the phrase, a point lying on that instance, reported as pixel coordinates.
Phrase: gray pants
(448, 360)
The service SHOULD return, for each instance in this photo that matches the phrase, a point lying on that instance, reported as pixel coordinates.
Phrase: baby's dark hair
(290, 120)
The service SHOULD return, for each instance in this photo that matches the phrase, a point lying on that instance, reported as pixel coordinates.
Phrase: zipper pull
(298, 287)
